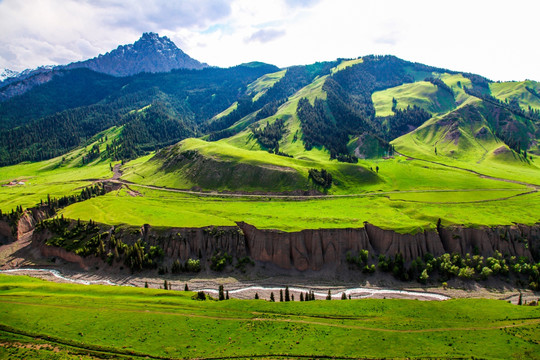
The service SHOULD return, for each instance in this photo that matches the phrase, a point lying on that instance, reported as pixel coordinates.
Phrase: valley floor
(44, 320)
(244, 287)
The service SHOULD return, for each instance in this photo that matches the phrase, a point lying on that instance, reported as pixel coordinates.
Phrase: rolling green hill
(335, 128)
(525, 93)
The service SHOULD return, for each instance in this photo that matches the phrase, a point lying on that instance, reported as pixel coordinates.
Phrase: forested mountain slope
(260, 120)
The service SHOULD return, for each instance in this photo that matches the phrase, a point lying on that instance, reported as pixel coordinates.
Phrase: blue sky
(497, 39)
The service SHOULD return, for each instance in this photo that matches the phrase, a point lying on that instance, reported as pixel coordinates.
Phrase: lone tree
(281, 295)
(256, 296)
(165, 286)
(343, 296)
(287, 295)
(227, 295)
(329, 296)
(186, 288)
(272, 299)
(221, 293)
(146, 284)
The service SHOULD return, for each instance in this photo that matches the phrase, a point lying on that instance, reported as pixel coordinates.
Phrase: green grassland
(235, 168)
(169, 324)
(460, 141)
(400, 193)
(63, 175)
(422, 94)
(398, 211)
(226, 112)
(259, 87)
(345, 64)
(517, 90)
(456, 82)
(287, 112)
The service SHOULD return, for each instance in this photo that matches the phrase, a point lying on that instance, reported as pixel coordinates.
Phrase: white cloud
(266, 35)
(492, 38)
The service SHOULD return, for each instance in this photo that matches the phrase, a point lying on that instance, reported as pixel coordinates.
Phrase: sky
(496, 39)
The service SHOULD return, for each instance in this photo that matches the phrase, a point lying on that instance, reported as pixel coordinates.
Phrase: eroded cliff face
(30, 218)
(315, 249)
(195, 243)
(6, 234)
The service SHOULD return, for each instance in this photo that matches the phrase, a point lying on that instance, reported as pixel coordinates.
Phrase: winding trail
(117, 174)
(484, 176)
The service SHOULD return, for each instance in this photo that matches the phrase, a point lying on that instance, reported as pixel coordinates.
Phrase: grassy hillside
(117, 321)
(221, 166)
(422, 94)
(345, 98)
(287, 112)
(262, 84)
(517, 90)
(465, 138)
(56, 177)
(77, 104)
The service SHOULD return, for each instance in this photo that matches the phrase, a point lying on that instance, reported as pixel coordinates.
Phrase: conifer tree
(221, 293)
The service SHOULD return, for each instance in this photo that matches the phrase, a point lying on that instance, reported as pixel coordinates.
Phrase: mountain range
(341, 110)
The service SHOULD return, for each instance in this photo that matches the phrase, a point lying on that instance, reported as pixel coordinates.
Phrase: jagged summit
(151, 53)
(7, 74)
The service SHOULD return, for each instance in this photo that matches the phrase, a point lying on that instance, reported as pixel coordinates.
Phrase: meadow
(389, 211)
(405, 195)
(63, 175)
(115, 321)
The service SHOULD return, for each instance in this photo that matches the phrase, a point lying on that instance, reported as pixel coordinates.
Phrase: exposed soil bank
(315, 256)
(317, 249)
(307, 250)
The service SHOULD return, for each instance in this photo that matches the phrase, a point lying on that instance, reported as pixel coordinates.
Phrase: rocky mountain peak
(151, 53)
(7, 74)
